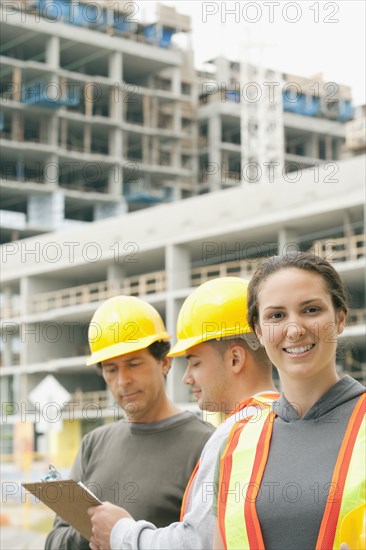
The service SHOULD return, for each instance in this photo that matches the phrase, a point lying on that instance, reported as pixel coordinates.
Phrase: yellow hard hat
(121, 325)
(216, 309)
(353, 528)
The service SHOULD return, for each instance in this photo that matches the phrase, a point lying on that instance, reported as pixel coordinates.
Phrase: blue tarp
(144, 197)
(41, 93)
(301, 104)
(160, 36)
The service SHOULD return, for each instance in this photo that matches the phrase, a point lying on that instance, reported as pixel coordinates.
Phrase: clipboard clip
(53, 474)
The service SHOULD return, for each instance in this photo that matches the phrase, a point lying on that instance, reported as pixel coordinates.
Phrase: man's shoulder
(205, 427)
(196, 423)
(193, 426)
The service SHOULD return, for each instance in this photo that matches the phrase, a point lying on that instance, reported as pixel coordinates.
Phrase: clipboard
(69, 499)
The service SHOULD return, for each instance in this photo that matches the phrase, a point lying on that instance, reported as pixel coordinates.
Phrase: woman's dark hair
(297, 260)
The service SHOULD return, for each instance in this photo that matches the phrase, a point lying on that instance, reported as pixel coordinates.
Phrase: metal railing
(338, 250)
(243, 268)
(342, 249)
(84, 294)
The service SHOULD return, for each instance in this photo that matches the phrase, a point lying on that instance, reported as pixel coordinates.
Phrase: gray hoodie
(297, 479)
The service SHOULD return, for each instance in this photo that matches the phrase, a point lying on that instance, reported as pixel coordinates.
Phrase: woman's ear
(341, 321)
(258, 333)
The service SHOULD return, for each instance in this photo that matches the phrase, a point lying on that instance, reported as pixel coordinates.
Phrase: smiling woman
(298, 306)
(311, 472)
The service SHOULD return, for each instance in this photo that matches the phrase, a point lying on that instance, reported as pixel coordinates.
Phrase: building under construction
(102, 113)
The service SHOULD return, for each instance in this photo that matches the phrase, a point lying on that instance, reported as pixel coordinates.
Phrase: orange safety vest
(261, 400)
(243, 463)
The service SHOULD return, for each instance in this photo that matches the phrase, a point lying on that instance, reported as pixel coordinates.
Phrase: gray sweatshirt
(141, 467)
(297, 478)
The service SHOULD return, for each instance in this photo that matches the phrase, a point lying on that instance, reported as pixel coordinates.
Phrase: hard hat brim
(122, 348)
(182, 345)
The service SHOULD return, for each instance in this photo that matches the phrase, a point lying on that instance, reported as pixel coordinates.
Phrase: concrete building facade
(97, 116)
(103, 113)
(53, 283)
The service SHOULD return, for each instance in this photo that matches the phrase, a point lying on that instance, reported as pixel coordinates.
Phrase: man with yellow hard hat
(230, 373)
(144, 461)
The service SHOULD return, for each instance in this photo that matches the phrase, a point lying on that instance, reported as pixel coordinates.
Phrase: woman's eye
(276, 315)
(312, 309)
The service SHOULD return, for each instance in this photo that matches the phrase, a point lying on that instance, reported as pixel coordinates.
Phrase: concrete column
(87, 138)
(287, 240)
(88, 99)
(146, 158)
(154, 112)
(7, 339)
(214, 141)
(53, 52)
(115, 180)
(115, 274)
(6, 298)
(176, 389)
(178, 267)
(6, 351)
(176, 81)
(17, 83)
(337, 148)
(25, 294)
(115, 271)
(176, 192)
(328, 147)
(115, 67)
(115, 72)
(116, 104)
(146, 110)
(51, 170)
(63, 133)
(177, 118)
(17, 127)
(314, 146)
(154, 150)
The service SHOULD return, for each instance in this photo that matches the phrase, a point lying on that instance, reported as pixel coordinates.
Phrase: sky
(303, 38)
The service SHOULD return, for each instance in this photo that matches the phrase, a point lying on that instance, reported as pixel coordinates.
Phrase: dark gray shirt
(141, 467)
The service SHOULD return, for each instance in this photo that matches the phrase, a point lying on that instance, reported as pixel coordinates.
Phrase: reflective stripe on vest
(262, 399)
(241, 470)
(348, 479)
